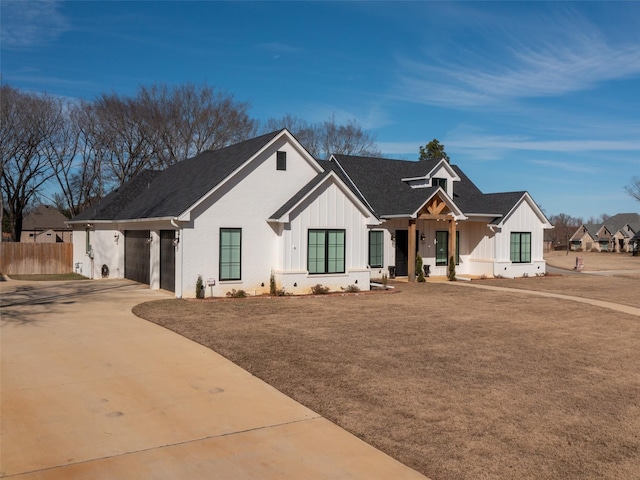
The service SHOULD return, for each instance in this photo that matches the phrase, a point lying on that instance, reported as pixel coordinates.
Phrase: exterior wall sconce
(393, 237)
(149, 240)
(176, 241)
(422, 237)
(116, 236)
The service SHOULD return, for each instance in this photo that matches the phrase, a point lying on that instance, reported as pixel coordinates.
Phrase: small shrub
(452, 269)
(236, 293)
(319, 289)
(272, 284)
(352, 289)
(419, 268)
(199, 287)
(385, 280)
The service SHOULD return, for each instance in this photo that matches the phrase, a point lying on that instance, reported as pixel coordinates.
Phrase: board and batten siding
(329, 208)
(521, 219)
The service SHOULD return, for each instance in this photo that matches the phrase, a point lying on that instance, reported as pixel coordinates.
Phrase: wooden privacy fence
(36, 258)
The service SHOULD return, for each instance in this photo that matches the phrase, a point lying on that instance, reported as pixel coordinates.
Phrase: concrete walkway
(598, 303)
(88, 390)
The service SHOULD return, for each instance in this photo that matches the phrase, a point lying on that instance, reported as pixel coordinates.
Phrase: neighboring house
(265, 209)
(614, 235)
(584, 238)
(45, 224)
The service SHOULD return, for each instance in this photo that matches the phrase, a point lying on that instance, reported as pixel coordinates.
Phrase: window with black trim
(439, 182)
(442, 248)
(281, 161)
(376, 258)
(230, 253)
(521, 247)
(325, 251)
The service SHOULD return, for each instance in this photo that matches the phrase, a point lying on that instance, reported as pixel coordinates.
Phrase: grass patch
(457, 383)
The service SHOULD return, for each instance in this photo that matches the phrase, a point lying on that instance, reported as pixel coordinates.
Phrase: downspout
(177, 227)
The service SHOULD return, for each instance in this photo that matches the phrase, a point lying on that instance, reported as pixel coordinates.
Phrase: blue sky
(543, 97)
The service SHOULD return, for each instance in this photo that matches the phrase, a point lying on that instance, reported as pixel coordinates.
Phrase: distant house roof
(380, 182)
(45, 217)
(171, 192)
(618, 221)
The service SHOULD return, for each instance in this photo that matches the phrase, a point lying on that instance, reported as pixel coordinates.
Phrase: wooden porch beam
(411, 268)
(431, 216)
(452, 240)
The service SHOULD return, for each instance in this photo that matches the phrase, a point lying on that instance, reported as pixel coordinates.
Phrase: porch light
(149, 240)
(422, 237)
(176, 241)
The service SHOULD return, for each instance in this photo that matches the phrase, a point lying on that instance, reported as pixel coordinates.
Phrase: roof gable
(174, 192)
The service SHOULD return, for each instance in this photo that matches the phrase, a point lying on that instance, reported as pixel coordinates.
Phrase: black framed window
(376, 257)
(521, 247)
(439, 182)
(281, 161)
(230, 253)
(442, 248)
(326, 251)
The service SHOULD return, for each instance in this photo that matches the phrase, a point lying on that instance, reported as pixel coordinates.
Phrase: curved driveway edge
(88, 390)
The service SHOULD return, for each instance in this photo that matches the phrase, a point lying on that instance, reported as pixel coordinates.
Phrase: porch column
(452, 240)
(411, 268)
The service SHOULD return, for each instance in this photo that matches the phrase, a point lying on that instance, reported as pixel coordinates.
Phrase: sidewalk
(88, 390)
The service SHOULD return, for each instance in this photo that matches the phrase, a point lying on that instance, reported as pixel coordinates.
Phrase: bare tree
(328, 137)
(27, 121)
(119, 130)
(633, 188)
(77, 164)
(347, 139)
(304, 132)
(564, 228)
(185, 120)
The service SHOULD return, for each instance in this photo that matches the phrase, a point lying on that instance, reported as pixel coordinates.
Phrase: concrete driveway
(88, 390)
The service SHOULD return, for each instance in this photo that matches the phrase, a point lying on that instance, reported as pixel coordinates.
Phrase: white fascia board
(447, 166)
(541, 216)
(186, 215)
(128, 220)
(372, 220)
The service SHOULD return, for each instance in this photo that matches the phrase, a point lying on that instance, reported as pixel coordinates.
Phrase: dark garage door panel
(136, 255)
(167, 261)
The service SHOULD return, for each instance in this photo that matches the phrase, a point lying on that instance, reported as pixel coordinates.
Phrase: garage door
(167, 261)
(136, 255)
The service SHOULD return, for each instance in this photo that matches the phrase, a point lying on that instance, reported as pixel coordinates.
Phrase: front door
(402, 252)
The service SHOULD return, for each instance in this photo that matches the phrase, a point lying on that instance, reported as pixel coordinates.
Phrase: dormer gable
(440, 175)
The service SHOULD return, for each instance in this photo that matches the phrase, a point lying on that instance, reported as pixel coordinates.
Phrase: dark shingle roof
(44, 218)
(171, 192)
(380, 181)
(618, 221)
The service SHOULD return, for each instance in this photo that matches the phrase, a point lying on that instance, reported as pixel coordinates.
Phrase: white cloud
(571, 57)
(31, 23)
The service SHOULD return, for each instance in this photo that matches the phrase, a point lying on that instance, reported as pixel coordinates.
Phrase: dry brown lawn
(454, 381)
